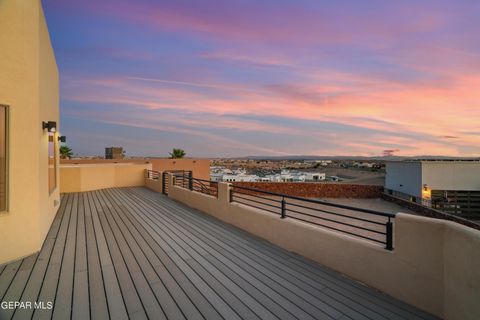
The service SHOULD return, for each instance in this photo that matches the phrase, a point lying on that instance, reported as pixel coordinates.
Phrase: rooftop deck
(132, 253)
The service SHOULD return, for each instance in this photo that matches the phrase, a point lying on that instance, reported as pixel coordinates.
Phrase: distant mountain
(354, 158)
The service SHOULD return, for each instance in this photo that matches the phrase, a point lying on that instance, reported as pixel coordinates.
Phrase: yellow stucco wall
(199, 167)
(29, 87)
(87, 177)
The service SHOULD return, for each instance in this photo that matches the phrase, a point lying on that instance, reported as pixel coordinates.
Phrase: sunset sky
(269, 77)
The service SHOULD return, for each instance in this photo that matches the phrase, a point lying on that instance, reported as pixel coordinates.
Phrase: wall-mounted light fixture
(62, 138)
(51, 126)
(426, 192)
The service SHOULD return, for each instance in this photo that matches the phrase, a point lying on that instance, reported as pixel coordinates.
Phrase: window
(52, 162)
(3, 157)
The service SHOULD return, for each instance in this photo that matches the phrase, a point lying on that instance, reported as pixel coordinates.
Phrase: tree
(65, 152)
(177, 154)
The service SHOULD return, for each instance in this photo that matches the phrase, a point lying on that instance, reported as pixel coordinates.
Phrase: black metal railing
(153, 175)
(165, 178)
(193, 184)
(367, 224)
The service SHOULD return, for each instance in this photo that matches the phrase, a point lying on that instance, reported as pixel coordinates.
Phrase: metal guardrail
(193, 184)
(358, 222)
(153, 175)
(165, 178)
(366, 224)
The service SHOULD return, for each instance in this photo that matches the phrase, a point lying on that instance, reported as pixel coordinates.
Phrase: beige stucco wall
(29, 87)
(199, 167)
(461, 272)
(87, 177)
(155, 185)
(435, 264)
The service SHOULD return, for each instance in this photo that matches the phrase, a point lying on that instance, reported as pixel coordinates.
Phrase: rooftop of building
(131, 253)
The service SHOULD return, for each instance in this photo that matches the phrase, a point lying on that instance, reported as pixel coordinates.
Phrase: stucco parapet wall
(88, 165)
(88, 177)
(435, 264)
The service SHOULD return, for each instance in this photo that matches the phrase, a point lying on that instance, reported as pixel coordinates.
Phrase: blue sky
(240, 78)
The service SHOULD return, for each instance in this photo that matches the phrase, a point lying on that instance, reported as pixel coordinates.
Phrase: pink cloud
(409, 109)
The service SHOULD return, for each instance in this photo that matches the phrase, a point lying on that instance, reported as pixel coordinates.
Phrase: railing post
(190, 181)
(164, 182)
(283, 214)
(389, 244)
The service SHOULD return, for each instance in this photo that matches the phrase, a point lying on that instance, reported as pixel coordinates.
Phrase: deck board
(313, 288)
(97, 295)
(131, 253)
(130, 296)
(33, 286)
(80, 302)
(342, 291)
(170, 308)
(116, 303)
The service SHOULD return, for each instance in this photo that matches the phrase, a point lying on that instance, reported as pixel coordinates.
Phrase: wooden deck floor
(131, 253)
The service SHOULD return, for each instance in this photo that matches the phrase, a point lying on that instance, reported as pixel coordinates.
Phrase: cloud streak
(308, 77)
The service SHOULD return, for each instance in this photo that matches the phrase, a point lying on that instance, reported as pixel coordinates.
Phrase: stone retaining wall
(316, 190)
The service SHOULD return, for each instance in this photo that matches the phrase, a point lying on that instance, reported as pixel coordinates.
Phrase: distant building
(239, 178)
(114, 153)
(314, 176)
(452, 186)
(240, 175)
(364, 164)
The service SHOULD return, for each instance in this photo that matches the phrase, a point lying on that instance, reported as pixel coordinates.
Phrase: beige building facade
(29, 97)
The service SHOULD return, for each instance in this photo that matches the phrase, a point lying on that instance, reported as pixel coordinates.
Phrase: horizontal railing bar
(335, 221)
(204, 186)
(335, 213)
(384, 214)
(251, 205)
(208, 194)
(185, 177)
(197, 185)
(196, 179)
(201, 186)
(257, 196)
(259, 202)
(253, 197)
(339, 230)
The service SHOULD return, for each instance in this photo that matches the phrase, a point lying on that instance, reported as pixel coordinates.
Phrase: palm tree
(65, 152)
(177, 154)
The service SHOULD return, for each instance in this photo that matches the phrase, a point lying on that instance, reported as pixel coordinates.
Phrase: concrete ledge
(435, 265)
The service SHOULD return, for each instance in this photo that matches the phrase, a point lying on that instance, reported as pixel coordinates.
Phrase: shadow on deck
(132, 253)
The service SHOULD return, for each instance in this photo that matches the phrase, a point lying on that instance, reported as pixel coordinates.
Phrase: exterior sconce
(51, 126)
(426, 192)
(62, 138)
